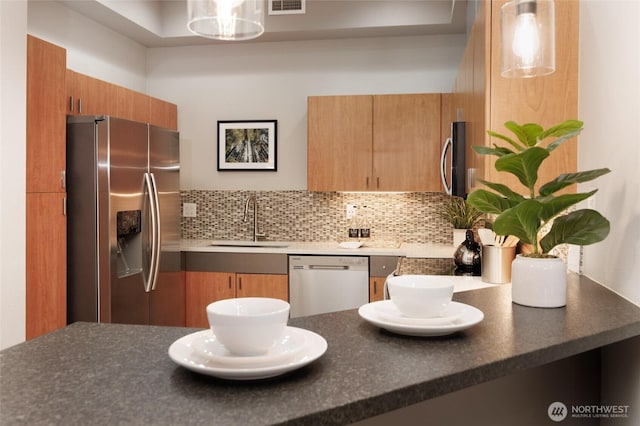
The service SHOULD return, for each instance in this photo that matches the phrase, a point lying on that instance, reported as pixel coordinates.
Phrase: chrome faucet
(256, 234)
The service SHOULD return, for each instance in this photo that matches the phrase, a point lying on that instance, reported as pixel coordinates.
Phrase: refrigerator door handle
(448, 143)
(150, 191)
(158, 233)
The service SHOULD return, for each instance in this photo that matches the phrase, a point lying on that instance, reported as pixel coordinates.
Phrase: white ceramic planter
(459, 235)
(539, 282)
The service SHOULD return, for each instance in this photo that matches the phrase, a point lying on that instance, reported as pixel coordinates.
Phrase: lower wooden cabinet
(376, 288)
(206, 287)
(46, 263)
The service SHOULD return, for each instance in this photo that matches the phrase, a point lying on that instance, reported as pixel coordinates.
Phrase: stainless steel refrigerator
(123, 215)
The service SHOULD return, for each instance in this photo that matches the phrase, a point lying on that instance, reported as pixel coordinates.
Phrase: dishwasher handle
(329, 267)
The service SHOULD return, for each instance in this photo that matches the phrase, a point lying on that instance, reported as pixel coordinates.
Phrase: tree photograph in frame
(247, 145)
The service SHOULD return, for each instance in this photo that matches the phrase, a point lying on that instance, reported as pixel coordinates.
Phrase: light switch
(351, 211)
(189, 209)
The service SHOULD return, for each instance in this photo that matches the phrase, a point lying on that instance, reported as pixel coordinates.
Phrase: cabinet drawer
(381, 266)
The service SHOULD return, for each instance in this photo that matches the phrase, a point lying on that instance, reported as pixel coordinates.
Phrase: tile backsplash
(316, 216)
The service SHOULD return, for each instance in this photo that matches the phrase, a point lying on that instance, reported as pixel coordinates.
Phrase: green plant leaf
(562, 129)
(567, 179)
(553, 206)
(581, 227)
(507, 139)
(553, 145)
(504, 190)
(496, 150)
(532, 132)
(489, 202)
(523, 165)
(522, 221)
(460, 214)
(520, 133)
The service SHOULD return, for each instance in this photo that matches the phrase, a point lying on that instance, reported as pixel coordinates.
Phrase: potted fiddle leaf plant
(461, 215)
(539, 278)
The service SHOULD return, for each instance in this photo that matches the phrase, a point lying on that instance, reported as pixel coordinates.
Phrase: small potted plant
(461, 215)
(538, 278)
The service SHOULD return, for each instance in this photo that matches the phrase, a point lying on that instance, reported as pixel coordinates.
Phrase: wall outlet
(189, 209)
(351, 211)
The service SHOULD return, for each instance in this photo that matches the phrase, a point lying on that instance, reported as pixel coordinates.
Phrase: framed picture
(247, 145)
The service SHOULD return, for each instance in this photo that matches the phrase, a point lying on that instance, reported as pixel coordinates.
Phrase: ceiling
(162, 23)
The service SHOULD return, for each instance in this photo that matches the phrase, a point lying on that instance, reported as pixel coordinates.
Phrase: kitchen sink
(272, 244)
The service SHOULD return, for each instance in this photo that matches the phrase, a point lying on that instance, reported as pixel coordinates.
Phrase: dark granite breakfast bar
(91, 373)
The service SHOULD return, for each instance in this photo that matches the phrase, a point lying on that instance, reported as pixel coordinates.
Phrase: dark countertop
(121, 374)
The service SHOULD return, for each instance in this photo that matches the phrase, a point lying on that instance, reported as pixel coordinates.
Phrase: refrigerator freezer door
(130, 251)
(168, 298)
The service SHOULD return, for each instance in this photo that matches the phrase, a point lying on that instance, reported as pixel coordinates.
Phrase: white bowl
(420, 296)
(248, 326)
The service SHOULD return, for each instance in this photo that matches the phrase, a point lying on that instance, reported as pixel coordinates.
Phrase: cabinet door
(131, 105)
(162, 114)
(46, 263)
(339, 143)
(489, 100)
(406, 142)
(263, 285)
(376, 289)
(203, 288)
(91, 96)
(545, 100)
(46, 126)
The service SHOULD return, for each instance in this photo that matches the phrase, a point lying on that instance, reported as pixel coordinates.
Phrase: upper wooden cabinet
(46, 157)
(488, 100)
(90, 96)
(161, 113)
(373, 142)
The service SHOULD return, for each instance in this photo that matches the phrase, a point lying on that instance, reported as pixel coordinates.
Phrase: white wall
(13, 65)
(610, 108)
(250, 81)
(92, 48)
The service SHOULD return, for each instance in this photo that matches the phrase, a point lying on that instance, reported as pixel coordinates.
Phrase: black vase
(467, 255)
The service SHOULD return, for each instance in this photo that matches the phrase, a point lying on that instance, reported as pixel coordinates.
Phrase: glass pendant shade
(226, 19)
(528, 47)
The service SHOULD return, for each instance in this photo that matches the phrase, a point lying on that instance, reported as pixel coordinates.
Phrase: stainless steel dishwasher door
(321, 284)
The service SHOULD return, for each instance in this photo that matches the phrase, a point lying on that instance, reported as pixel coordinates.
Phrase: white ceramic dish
(248, 326)
(199, 352)
(421, 296)
(290, 344)
(384, 314)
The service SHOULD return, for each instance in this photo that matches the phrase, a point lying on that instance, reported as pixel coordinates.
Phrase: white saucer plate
(202, 353)
(385, 315)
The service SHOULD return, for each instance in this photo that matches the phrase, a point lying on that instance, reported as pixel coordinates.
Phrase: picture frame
(247, 145)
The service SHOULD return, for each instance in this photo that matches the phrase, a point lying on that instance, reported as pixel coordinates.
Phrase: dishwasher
(321, 284)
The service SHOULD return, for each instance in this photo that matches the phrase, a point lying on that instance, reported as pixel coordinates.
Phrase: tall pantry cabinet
(488, 100)
(53, 91)
(46, 233)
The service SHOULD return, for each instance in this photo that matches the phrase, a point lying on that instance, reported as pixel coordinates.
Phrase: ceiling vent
(286, 7)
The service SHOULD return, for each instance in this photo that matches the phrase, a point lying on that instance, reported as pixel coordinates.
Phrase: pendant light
(226, 19)
(527, 38)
